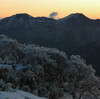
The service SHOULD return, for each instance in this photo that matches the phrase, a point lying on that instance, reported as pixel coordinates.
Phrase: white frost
(18, 95)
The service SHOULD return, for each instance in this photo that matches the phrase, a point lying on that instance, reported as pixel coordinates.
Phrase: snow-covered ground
(18, 94)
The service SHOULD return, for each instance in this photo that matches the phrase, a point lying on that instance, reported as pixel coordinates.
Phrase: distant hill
(70, 34)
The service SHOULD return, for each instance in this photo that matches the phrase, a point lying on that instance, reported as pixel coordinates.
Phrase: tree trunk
(74, 96)
(80, 95)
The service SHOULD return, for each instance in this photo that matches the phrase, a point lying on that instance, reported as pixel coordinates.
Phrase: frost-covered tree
(10, 49)
(80, 77)
(44, 71)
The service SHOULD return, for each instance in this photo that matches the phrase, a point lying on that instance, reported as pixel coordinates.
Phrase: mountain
(27, 29)
(68, 34)
(76, 16)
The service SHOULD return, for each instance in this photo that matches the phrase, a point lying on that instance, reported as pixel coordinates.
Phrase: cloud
(53, 14)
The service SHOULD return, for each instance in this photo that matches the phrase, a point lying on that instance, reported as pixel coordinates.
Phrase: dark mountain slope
(70, 34)
(91, 52)
(25, 28)
(67, 34)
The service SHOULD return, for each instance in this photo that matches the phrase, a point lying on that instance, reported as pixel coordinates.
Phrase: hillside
(45, 72)
(69, 34)
(66, 34)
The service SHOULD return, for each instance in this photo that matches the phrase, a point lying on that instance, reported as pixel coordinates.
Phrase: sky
(90, 8)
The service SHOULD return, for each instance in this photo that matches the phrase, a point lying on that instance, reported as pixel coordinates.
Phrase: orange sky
(90, 8)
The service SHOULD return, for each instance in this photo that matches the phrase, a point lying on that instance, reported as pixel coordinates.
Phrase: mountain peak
(75, 16)
(22, 15)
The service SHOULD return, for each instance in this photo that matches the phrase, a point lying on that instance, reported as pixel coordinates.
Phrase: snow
(18, 94)
(5, 66)
(68, 96)
(18, 66)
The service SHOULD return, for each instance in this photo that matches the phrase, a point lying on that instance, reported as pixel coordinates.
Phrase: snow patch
(18, 94)
(18, 67)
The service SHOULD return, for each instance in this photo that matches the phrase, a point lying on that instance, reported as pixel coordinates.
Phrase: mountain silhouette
(70, 34)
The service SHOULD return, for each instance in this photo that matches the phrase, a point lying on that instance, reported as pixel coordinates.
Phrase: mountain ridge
(74, 15)
(68, 16)
(67, 35)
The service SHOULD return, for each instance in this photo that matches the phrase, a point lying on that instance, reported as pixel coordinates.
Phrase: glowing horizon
(35, 8)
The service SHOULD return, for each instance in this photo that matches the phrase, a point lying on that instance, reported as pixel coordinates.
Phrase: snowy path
(18, 95)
